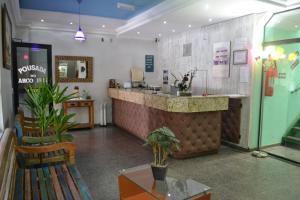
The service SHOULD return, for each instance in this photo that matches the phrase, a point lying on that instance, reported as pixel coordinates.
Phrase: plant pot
(159, 172)
(184, 93)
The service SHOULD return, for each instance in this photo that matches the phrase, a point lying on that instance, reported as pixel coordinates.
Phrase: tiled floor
(233, 175)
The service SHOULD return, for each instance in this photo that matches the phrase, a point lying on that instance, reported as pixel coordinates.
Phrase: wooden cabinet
(89, 103)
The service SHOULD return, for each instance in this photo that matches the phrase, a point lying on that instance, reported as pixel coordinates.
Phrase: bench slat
(42, 184)
(84, 191)
(19, 185)
(27, 185)
(63, 183)
(49, 184)
(34, 184)
(56, 185)
(71, 183)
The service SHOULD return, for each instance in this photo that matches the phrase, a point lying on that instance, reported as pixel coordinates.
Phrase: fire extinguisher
(271, 74)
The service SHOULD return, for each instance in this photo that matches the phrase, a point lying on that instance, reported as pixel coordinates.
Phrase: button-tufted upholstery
(199, 133)
(231, 120)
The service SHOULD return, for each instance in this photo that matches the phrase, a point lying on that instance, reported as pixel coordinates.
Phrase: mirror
(73, 69)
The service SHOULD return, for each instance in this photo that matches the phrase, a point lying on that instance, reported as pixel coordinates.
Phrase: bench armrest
(68, 146)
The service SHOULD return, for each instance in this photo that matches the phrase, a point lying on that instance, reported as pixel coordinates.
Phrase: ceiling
(167, 17)
(99, 8)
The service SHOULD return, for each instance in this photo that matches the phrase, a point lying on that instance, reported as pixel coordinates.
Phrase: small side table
(89, 103)
(138, 183)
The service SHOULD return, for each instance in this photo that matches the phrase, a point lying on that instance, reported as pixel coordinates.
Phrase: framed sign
(221, 60)
(149, 63)
(6, 39)
(240, 57)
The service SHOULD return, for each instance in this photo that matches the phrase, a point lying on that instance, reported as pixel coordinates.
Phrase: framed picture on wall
(6, 39)
(240, 57)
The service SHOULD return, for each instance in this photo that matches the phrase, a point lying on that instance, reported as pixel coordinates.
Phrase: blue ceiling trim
(100, 8)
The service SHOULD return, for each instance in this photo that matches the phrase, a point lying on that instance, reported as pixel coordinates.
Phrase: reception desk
(195, 120)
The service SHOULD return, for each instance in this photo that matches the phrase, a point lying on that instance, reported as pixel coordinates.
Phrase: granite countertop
(171, 103)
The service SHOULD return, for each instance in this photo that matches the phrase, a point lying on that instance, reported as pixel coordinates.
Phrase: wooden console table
(89, 103)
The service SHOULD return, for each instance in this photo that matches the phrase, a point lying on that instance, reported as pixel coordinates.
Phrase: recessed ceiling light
(71, 23)
(173, 31)
(42, 20)
(206, 6)
(159, 35)
(165, 22)
(296, 26)
(210, 19)
(138, 32)
(190, 26)
(103, 26)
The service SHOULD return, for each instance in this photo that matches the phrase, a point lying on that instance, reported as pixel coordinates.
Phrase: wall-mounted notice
(165, 76)
(149, 63)
(221, 60)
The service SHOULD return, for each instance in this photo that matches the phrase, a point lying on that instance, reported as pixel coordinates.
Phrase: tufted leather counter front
(199, 133)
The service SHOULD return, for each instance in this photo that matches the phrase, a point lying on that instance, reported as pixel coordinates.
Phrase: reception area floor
(232, 175)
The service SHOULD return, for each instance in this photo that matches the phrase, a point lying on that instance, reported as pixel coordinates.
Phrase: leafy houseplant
(163, 142)
(39, 99)
(184, 86)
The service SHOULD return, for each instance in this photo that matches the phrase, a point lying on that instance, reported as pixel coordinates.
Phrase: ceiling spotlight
(190, 26)
(165, 22)
(210, 19)
(71, 23)
(103, 26)
(42, 20)
(159, 35)
(296, 26)
(138, 32)
(173, 31)
(206, 6)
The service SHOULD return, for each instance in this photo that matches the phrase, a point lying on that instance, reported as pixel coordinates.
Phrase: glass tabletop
(171, 188)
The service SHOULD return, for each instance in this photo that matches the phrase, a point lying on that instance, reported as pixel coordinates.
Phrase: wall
(6, 102)
(239, 31)
(111, 59)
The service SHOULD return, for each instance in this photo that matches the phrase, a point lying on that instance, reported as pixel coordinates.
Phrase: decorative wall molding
(154, 13)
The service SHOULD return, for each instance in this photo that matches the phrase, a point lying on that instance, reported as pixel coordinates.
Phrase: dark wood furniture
(138, 184)
(88, 103)
(60, 181)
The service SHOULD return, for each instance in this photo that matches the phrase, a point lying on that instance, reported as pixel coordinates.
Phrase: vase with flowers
(184, 84)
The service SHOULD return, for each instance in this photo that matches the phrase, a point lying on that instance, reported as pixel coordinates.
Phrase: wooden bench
(32, 152)
(59, 181)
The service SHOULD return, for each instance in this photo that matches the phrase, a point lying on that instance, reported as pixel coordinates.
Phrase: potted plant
(184, 85)
(39, 100)
(163, 142)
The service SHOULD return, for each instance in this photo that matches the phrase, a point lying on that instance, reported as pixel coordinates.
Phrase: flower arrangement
(186, 81)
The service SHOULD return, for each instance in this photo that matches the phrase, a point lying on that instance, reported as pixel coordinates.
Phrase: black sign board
(149, 63)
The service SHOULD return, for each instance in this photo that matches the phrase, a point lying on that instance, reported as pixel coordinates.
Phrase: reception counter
(195, 120)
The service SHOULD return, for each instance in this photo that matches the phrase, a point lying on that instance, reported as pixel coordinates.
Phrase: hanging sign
(149, 63)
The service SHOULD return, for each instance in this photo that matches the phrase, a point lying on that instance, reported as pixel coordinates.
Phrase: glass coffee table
(138, 184)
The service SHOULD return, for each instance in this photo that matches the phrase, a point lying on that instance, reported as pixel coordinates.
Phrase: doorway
(32, 63)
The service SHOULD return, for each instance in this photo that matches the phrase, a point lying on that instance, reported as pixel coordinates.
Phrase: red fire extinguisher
(271, 74)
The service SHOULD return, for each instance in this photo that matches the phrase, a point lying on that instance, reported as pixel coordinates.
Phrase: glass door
(32, 63)
(280, 115)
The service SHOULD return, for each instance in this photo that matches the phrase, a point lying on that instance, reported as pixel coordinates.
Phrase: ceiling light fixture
(210, 19)
(79, 34)
(206, 6)
(296, 26)
(71, 23)
(159, 35)
(173, 31)
(103, 26)
(165, 22)
(138, 32)
(42, 20)
(190, 26)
